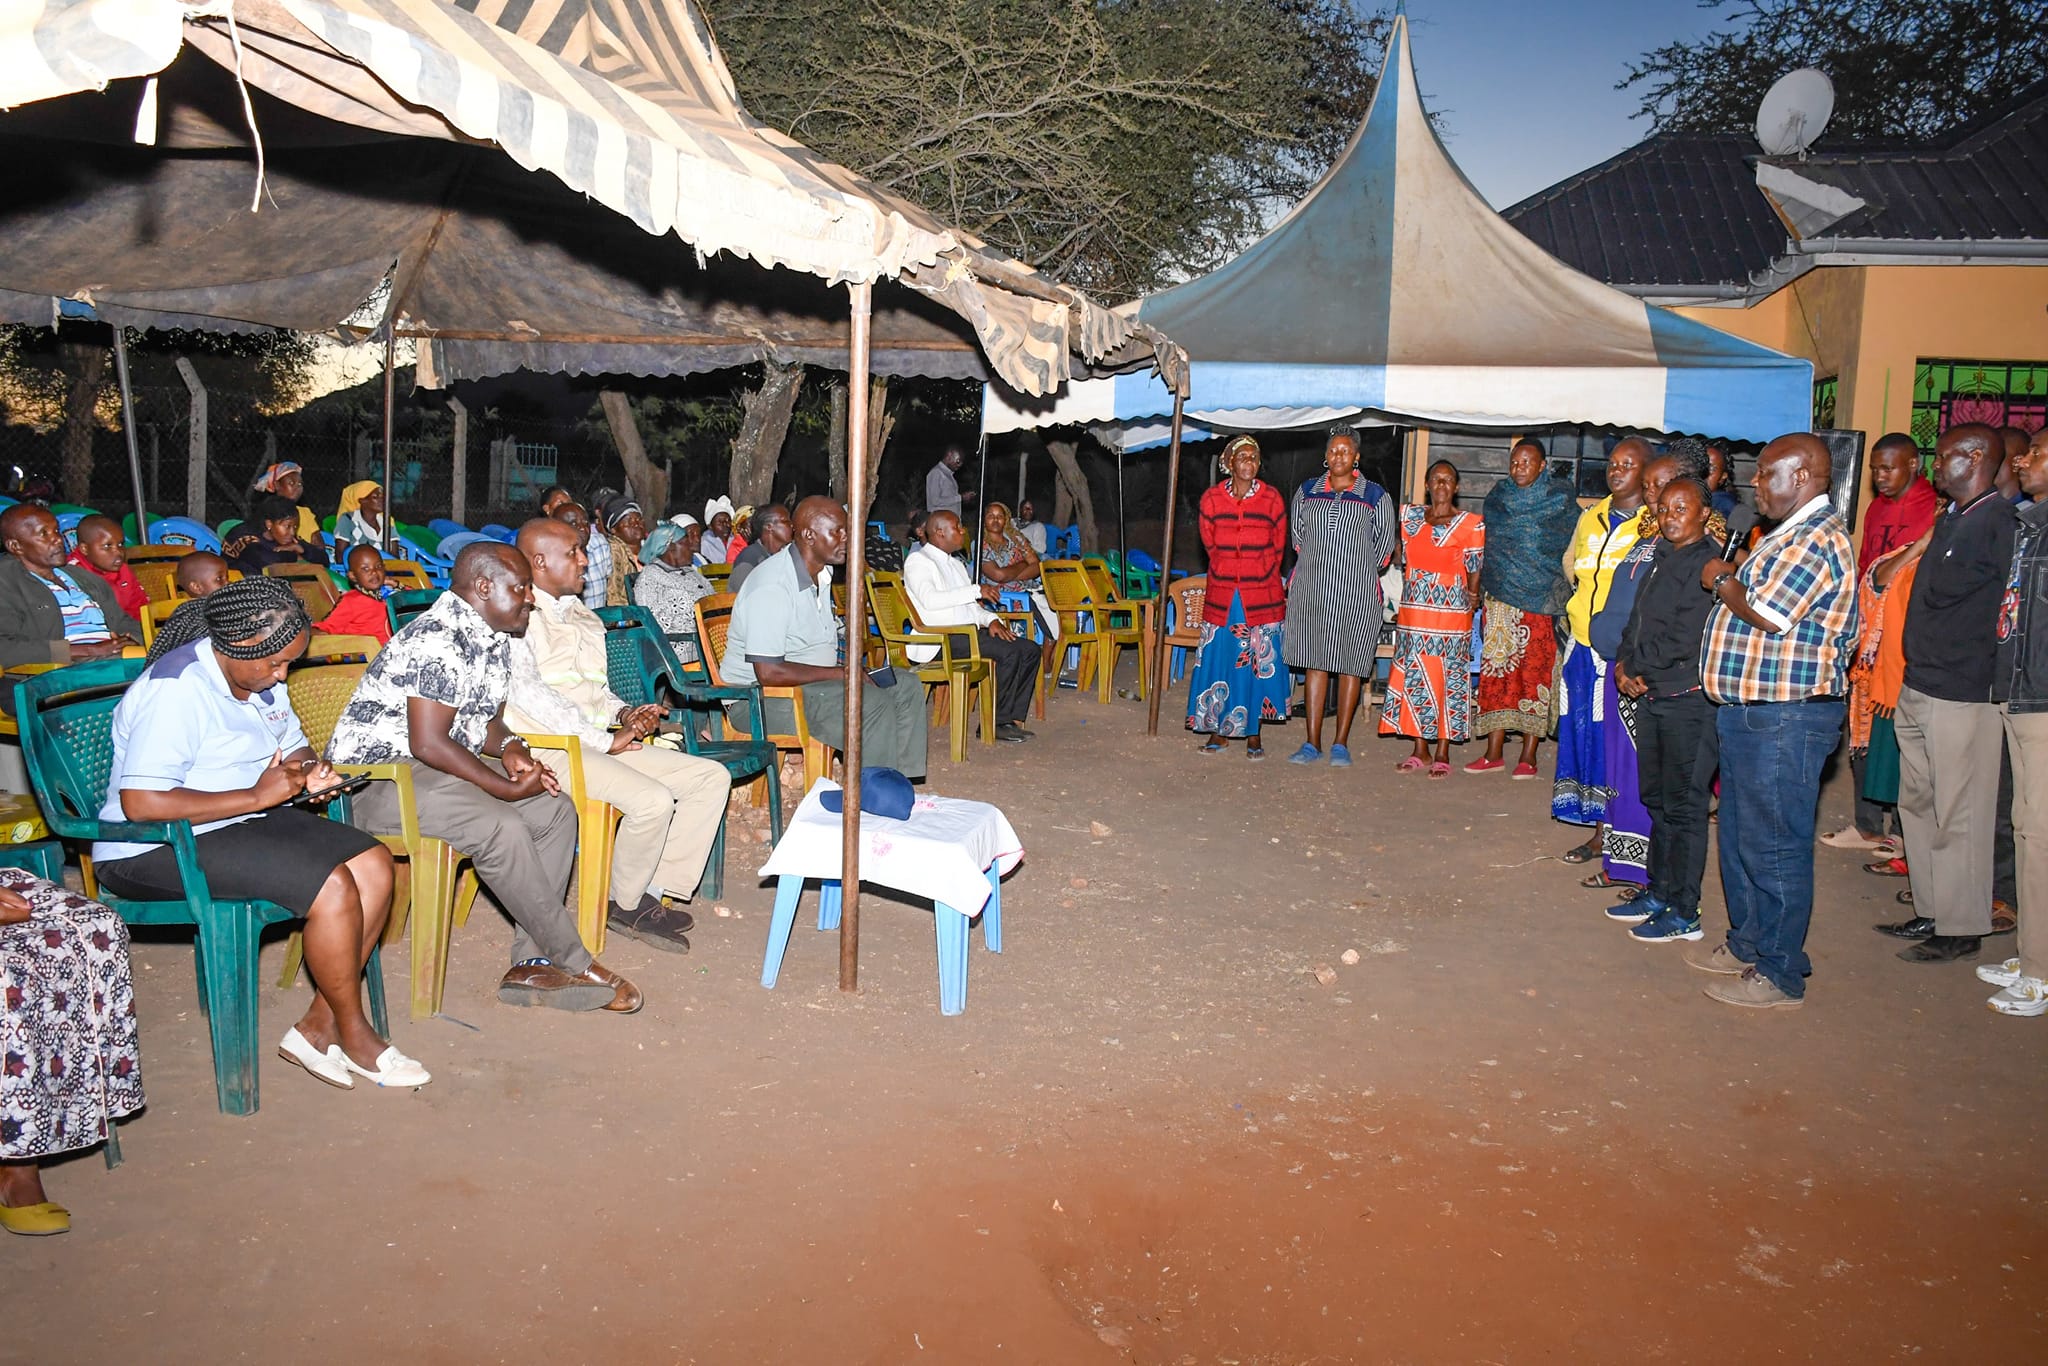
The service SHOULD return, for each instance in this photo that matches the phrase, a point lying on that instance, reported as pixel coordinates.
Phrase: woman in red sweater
(1239, 681)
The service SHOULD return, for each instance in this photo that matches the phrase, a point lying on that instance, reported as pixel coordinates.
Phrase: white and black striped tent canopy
(387, 132)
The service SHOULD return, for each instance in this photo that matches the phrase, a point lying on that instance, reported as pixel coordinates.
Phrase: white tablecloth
(942, 852)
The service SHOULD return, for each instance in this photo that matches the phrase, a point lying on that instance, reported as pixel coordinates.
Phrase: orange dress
(1429, 691)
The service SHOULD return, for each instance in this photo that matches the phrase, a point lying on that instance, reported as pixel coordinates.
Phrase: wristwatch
(1722, 578)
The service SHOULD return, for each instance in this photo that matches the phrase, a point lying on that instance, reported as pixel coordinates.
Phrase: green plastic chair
(639, 663)
(66, 719)
(409, 603)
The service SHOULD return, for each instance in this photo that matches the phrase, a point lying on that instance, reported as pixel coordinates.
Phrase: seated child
(100, 550)
(271, 536)
(361, 611)
(200, 574)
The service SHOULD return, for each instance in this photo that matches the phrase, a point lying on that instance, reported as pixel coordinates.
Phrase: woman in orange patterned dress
(1429, 691)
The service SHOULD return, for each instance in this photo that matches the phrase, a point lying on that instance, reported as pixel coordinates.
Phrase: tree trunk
(1073, 492)
(757, 450)
(88, 366)
(648, 483)
(880, 424)
(835, 441)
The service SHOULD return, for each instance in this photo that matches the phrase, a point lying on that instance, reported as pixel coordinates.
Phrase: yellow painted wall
(1869, 325)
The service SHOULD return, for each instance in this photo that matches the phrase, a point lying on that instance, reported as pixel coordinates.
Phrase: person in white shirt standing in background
(945, 596)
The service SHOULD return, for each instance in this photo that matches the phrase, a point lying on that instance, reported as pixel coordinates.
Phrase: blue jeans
(1771, 758)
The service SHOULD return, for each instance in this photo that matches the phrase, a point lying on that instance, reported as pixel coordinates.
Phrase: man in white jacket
(945, 596)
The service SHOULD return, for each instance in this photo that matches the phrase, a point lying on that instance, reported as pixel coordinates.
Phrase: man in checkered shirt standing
(1775, 657)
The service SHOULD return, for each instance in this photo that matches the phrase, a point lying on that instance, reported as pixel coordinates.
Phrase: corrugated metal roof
(1683, 209)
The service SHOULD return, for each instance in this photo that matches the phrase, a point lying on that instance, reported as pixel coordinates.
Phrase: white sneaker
(2003, 975)
(2028, 996)
(1849, 837)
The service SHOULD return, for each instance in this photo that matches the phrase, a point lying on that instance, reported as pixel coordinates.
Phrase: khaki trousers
(669, 807)
(1949, 755)
(2027, 733)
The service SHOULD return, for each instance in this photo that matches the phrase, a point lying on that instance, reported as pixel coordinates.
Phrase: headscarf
(716, 506)
(685, 520)
(618, 510)
(663, 538)
(352, 496)
(1238, 443)
(267, 481)
(1527, 530)
(262, 611)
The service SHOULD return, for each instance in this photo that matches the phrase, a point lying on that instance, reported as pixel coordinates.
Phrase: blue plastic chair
(498, 532)
(66, 718)
(67, 522)
(183, 531)
(452, 545)
(443, 528)
(949, 926)
(880, 531)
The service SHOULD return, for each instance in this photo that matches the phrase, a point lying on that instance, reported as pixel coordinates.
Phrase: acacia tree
(1901, 68)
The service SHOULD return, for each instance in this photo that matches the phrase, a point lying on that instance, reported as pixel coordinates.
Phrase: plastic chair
(319, 693)
(451, 545)
(640, 664)
(440, 528)
(154, 614)
(404, 574)
(410, 603)
(714, 616)
(719, 574)
(312, 584)
(959, 667)
(498, 532)
(1184, 620)
(66, 719)
(1088, 613)
(184, 531)
(597, 829)
(157, 573)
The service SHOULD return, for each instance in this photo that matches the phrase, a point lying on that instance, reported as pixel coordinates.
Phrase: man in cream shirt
(945, 596)
(670, 803)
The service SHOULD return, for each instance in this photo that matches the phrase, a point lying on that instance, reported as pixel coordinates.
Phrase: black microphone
(1742, 520)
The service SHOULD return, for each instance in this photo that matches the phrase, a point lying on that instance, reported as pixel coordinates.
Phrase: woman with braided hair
(207, 734)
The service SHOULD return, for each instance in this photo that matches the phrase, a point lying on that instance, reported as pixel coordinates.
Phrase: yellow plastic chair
(1121, 624)
(597, 830)
(154, 613)
(319, 693)
(406, 574)
(714, 616)
(959, 669)
(719, 574)
(313, 585)
(157, 575)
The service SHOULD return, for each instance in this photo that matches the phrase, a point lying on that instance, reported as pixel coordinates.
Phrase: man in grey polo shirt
(783, 634)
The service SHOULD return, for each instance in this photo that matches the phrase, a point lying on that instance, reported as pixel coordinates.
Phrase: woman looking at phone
(207, 734)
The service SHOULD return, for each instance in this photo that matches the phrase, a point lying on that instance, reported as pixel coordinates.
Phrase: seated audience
(552, 498)
(625, 530)
(1030, 528)
(361, 611)
(944, 595)
(207, 734)
(434, 701)
(597, 579)
(671, 803)
(50, 614)
(200, 574)
(360, 518)
(288, 481)
(1008, 561)
(1657, 663)
(718, 515)
(101, 551)
(784, 633)
(271, 536)
(771, 534)
(69, 1017)
(670, 585)
(742, 534)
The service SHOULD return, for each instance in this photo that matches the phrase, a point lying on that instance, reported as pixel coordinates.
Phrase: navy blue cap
(883, 792)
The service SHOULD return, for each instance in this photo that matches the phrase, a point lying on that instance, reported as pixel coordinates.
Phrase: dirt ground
(1507, 1134)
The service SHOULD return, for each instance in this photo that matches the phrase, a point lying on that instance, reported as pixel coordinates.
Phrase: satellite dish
(1795, 112)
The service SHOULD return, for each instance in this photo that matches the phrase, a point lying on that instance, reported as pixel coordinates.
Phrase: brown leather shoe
(625, 996)
(543, 984)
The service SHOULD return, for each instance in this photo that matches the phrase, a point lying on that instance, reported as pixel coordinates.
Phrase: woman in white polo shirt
(207, 734)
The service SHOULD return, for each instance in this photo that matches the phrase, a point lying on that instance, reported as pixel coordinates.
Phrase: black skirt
(285, 856)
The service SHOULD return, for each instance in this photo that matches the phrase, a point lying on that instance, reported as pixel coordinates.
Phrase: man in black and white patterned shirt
(434, 700)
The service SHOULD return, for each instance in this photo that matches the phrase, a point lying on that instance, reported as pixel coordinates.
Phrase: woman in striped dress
(1344, 537)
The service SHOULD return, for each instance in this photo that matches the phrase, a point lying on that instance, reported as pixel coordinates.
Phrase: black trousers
(1016, 663)
(1677, 750)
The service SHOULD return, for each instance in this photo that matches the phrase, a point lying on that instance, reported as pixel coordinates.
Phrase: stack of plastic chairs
(183, 531)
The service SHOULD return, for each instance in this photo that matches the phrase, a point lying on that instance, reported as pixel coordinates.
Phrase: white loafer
(393, 1069)
(330, 1066)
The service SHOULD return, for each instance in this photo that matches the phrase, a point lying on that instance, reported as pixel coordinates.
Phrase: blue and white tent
(1393, 291)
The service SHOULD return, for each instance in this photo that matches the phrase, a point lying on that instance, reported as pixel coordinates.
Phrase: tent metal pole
(856, 630)
(1123, 544)
(981, 509)
(390, 400)
(1165, 572)
(128, 432)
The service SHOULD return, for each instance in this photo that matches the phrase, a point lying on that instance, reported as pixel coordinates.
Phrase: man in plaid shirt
(1775, 657)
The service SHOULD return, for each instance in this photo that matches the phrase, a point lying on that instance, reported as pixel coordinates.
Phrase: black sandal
(1585, 853)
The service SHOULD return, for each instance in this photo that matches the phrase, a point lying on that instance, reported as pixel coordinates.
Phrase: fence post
(195, 459)
(458, 483)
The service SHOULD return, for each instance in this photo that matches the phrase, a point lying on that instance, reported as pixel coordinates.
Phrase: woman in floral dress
(68, 1061)
(1429, 692)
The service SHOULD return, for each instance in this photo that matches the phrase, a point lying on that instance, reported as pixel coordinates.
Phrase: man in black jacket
(1948, 729)
(2020, 685)
(1658, 665)
(50, 614)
